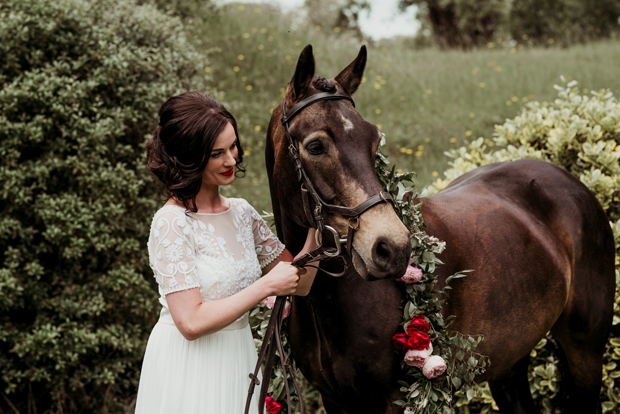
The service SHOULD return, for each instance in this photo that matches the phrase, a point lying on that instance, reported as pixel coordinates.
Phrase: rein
(316, 217)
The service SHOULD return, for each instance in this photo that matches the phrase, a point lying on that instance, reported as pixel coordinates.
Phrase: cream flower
(417, 359)
(434, 367)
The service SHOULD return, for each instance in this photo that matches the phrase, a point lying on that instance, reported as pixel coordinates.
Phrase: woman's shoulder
(169, 212)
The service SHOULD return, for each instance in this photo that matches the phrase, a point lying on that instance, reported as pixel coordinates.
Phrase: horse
(537, 239)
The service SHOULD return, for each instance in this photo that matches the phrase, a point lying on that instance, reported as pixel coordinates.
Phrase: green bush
(81, 82)
(582, 135)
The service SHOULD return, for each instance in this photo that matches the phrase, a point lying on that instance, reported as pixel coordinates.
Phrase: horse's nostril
(383, 253)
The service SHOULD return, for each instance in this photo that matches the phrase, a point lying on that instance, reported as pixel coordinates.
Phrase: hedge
(81, 82)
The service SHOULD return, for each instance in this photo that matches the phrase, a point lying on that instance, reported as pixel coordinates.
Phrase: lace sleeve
(171, 252)
(267, 245)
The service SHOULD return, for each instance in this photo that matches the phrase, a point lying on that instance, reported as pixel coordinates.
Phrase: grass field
(425, 101)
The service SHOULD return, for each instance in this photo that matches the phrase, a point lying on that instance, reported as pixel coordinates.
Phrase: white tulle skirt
(205, 376)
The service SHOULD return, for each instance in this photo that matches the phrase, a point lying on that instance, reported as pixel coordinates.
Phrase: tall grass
(424, 101)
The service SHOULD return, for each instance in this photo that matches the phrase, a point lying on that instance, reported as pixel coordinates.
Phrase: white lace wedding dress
(221, 254)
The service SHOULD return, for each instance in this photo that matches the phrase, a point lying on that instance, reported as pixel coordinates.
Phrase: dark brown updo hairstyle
(182, 143)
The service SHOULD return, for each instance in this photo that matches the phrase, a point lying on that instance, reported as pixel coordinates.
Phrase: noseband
(316, 217)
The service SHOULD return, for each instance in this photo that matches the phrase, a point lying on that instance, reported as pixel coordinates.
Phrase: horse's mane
(323, 84)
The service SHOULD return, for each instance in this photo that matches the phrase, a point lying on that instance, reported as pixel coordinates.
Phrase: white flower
(174, 253)
(433, 367)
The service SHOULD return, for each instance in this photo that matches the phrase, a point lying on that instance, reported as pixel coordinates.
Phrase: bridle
(316, 219)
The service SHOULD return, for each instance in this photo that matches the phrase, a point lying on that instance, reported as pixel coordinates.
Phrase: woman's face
(220, 167)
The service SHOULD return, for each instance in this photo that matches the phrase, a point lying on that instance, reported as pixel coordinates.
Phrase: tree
(340, 15)
(565, 21)
(461, 24)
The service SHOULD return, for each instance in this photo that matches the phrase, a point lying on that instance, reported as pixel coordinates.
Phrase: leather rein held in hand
(317, 219)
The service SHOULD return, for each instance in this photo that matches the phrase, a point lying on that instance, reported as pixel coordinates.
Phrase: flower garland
(437, 362)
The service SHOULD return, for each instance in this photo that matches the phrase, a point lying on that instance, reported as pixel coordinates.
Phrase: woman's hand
(282, 280)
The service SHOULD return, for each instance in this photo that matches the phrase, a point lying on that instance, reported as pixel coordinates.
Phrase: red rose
(418, 324)
(418, 341)
(400, 341)
(272, 405)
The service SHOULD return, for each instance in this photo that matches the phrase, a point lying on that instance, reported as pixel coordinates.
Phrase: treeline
(464, 24)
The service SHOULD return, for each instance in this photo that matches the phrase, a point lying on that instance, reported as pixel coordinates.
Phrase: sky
(383, 21)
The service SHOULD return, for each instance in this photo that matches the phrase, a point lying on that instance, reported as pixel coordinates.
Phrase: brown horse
(539, 242)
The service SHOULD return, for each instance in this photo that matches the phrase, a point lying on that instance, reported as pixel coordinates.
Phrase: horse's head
(337, 149)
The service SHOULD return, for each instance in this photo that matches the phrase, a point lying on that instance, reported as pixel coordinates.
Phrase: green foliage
(564, 21)
(581, 134)
(340, 16)
(463, 363)
(81, 84)
(470, 23)
(462, 23)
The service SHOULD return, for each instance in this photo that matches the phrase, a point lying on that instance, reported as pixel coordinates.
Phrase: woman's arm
(195, 318)
(306, 280)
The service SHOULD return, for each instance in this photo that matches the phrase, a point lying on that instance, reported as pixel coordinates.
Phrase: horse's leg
(583, 327)
(512, 391)
(583, 345)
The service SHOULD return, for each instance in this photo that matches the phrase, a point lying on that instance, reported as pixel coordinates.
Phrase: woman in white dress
(207, 253)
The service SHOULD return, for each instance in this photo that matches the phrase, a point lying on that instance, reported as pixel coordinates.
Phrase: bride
(207, 253)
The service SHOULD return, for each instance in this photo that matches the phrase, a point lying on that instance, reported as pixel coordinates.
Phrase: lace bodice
(220, 253)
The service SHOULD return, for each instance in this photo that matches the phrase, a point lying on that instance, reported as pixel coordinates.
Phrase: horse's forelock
(323, 84)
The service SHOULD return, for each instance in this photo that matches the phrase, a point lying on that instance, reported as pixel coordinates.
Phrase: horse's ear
(304, 73)
(351, 77)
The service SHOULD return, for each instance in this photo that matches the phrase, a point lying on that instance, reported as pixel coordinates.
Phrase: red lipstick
(228, 173)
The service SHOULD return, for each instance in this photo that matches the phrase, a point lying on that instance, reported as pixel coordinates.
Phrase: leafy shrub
(582, 135)
(81, 81)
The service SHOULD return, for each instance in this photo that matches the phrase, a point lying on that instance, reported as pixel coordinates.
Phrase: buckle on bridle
(357, 223)
(381, 195)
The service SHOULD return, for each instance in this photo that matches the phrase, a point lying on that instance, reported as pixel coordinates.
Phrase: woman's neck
(208, 200)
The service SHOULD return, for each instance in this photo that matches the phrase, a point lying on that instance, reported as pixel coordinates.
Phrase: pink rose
(412, 275)
(269, 301)
(434, 367)
(408, 410)
(417, 359)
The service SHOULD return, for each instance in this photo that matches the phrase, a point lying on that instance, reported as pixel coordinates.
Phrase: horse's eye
(315, 148)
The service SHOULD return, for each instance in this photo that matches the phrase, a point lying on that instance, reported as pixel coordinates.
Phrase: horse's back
(534, 236)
